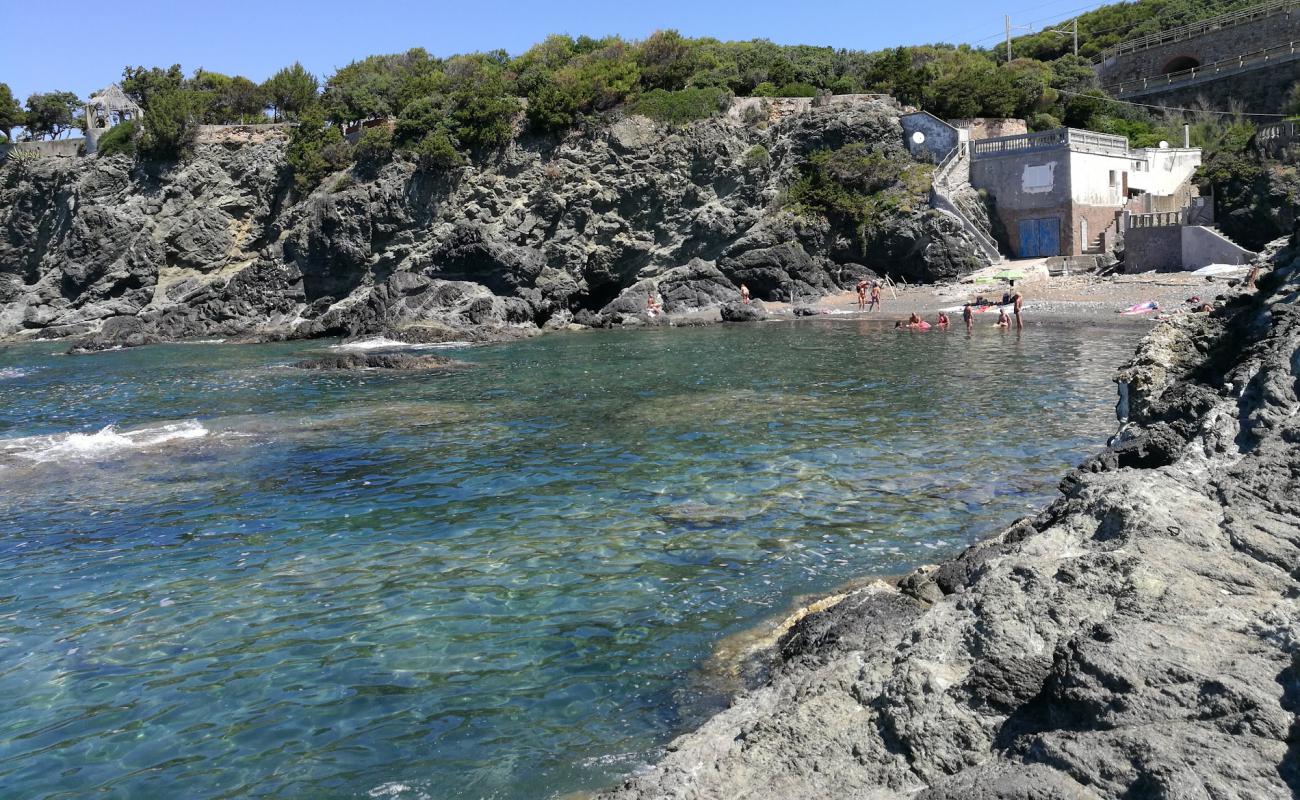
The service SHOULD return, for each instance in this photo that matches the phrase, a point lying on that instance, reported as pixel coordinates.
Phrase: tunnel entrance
(1179, 64)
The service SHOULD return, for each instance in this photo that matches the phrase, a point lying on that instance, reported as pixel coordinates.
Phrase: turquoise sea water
(500, 582)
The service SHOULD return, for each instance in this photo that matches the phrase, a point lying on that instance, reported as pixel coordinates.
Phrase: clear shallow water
(502, 582)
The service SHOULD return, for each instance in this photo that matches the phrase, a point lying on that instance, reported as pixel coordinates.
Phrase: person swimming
(943, 320)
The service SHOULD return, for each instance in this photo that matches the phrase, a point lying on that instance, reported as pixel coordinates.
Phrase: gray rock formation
(390, 361)
(1139, 638)
(540, 235)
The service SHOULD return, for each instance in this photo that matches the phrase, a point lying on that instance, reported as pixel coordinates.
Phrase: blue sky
(82, 45)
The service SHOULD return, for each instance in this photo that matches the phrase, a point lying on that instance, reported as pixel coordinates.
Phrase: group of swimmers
(1016, 302)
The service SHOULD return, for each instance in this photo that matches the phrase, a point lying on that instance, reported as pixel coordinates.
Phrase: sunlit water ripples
(222, 577)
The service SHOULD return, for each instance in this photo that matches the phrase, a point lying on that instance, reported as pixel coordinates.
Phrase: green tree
(51, 114)
(315, 150)
(11, 113)
(436, 152)
(169, 124)
(141, 84)
(666, 61)
(243, 101)
(481, 114)
(292, 91)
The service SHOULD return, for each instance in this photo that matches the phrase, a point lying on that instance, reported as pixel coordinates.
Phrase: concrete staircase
(951, 193)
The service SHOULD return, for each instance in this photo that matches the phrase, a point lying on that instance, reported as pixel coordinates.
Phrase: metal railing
(1194, 29)
(939, 199)
(1047, 140)
(1227, 65)
(1159, 219)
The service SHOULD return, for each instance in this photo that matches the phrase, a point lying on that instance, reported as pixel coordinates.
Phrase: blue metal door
(1040, 237)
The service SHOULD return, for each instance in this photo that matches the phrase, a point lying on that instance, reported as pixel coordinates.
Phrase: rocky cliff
(1139, 638)
(546, 231)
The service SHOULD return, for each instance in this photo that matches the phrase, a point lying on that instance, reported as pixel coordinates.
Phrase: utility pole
(1006, 19)
(1076, 36)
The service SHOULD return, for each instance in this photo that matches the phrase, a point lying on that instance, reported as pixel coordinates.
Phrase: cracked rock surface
(1138, 638)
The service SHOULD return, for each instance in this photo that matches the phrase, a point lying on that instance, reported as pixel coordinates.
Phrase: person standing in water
(969, 317)
(1017, 302)
(1004, 321)
(862, 295)
(875, 296)
(744, 294)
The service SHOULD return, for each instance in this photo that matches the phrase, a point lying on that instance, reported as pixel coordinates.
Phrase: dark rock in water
(1138, 638)
(806, 311)
(740, 312)
(114, 334)
(394, 361)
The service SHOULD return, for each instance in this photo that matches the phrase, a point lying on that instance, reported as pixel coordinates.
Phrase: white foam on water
(9, 373)
(104, 442)
(382, 343)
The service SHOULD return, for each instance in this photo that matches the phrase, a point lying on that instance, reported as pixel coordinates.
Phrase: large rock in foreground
(1139, 638)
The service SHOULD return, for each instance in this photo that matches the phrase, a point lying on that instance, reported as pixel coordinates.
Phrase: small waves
(382, 343)
(105, 442)
(13, 373)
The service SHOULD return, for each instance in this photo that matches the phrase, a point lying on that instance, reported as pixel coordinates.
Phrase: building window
(1113, 182)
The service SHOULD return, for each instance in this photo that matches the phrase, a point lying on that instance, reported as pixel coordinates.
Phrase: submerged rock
(391, 361)
(1139, 637)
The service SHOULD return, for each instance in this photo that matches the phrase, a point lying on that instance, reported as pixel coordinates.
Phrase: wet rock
(389, 361)
(742, 312)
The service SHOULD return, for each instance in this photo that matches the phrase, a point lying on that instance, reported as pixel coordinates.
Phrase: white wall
(1091, 179)
(1161, 172)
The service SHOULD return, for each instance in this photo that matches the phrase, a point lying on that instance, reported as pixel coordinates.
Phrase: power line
(1173, 108)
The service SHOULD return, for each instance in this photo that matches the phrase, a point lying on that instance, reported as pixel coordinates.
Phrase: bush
(118, 139)
(374, 149)
(482, 116)
(435, 153)
(757, 157)
(169, 134)
(797, 90)
(680, 107)
(861, 185)
(315, 151)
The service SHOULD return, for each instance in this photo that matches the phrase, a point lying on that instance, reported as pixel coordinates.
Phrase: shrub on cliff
(680, 107)
(171, 117)
(481, 114)
(315, 150)
(373, 149)
(860, 185)
(119, 139)
(435, 153)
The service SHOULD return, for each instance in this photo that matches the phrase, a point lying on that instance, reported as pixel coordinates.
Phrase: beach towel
(1141, 308)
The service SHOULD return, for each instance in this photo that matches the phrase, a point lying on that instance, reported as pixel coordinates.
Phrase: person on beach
(1252, 276)
(744, 294)
(875, 296)
(968, 316)
(1018, 301)
(1004, 321)
(862, 295)
(943, 320)
(651, 305)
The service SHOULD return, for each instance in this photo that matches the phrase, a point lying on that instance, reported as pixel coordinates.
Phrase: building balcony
(1060, 139)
